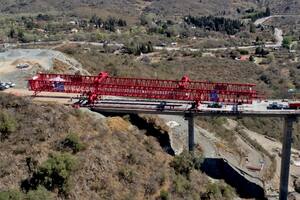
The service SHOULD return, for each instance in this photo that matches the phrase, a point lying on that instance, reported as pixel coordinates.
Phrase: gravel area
(38, 60)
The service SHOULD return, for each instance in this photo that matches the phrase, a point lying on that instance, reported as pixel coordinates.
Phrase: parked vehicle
(161, 106)
(294, 105)
(235, 108)
(6, 85)
(22, 66)
(275, 106)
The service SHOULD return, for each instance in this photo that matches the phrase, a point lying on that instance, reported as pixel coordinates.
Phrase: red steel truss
(184, 89)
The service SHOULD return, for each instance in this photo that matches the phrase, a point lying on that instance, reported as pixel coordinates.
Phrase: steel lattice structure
(184, 89)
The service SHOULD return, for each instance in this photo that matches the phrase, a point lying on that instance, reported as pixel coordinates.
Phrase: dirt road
(44, 96)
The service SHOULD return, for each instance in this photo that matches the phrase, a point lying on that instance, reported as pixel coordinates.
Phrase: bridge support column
(286, 156)
(191, 134)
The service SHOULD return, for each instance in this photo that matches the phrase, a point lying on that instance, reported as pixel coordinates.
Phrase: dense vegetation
(109, 24)
(221, 24)
(254, 15)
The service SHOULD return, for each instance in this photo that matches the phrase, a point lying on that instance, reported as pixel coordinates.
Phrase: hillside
(52, 151)
(130, 8)
(77, 155)
(273, 80)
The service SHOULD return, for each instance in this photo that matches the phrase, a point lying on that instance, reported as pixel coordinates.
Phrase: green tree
(261, 51)
(287, 41)
(252, 28)
(12, 33)
(94, 19)
(54, 173)
(258, 50)
(235, 54)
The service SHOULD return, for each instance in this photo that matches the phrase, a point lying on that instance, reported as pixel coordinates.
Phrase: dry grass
(118, 124)
(59, 66)
(119, 165)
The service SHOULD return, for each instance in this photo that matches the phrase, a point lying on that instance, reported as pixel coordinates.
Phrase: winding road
(277, 34)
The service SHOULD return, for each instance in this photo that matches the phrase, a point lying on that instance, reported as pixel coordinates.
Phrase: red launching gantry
(93, 87)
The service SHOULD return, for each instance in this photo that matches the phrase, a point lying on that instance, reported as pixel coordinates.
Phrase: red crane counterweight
(184, 89)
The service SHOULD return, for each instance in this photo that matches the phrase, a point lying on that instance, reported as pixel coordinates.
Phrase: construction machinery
(93, 87)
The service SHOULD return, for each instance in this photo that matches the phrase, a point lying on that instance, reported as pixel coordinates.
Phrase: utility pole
(286, 156)
(191, 134)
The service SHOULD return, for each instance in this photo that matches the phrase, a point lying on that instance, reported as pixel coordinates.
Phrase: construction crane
(93, 87)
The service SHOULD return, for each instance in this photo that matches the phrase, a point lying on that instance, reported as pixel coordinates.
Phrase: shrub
(53, 174)
(181, 185)
(164, 195)
(243, 52)
(197, 161)
(39, 194)
(297, 185)
(73, 143)
(151, 186)
(149, 147)
(126, 174)
(11, 195)
(7, 125)
(215, 191)
(183, 163)
(5, 167)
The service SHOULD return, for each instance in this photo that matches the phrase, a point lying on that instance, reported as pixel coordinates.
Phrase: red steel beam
(183, 89)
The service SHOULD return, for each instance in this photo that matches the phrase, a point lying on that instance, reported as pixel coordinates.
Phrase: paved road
(179, 139)
(264, 19)
(208, 141)
(277, 35)
(271, 146)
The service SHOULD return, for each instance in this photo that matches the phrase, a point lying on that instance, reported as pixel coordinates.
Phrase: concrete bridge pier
(191, 132)
(286, 156)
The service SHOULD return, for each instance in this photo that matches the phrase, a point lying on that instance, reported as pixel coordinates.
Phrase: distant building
(40, 30)
(244, 58)
(72, 22)
(74, 30)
